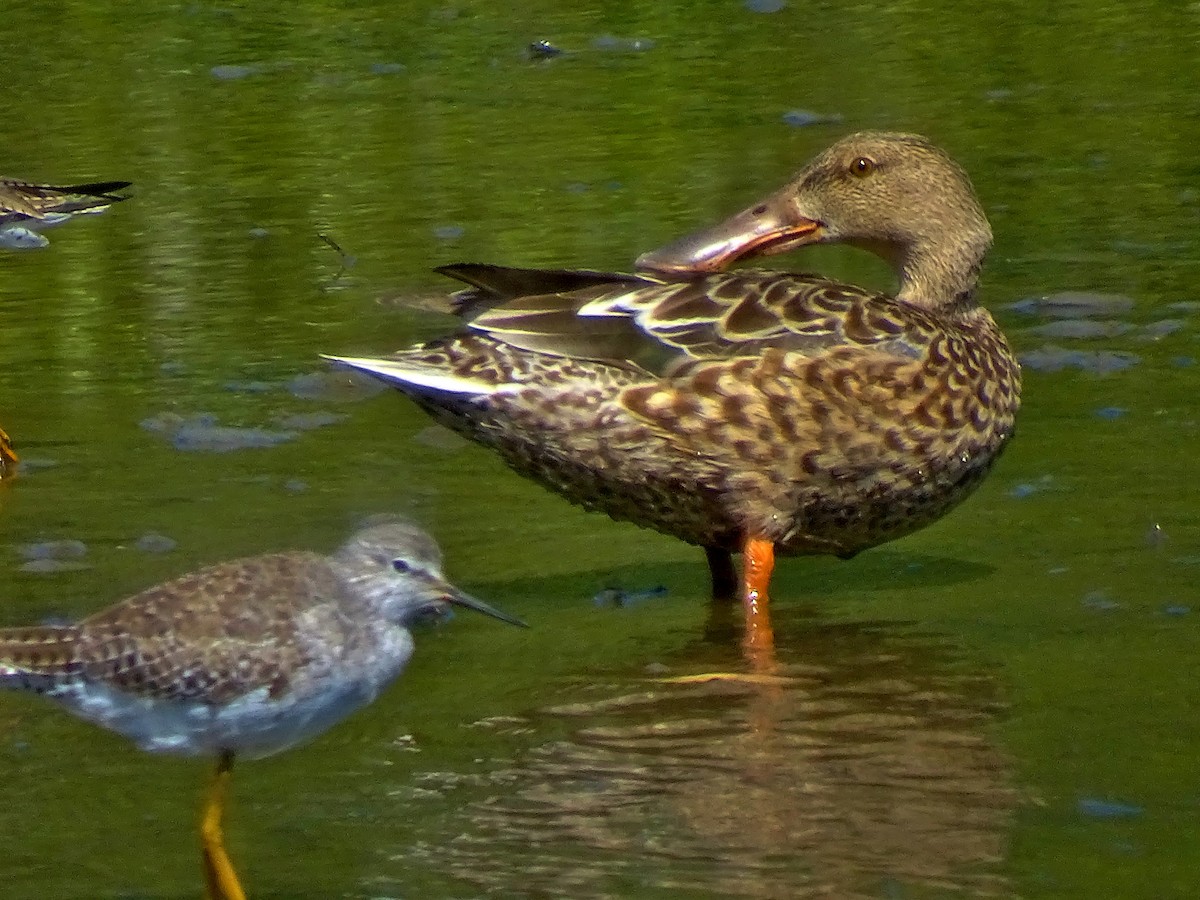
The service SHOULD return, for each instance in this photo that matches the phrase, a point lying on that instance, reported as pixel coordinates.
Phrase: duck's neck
(939, 275)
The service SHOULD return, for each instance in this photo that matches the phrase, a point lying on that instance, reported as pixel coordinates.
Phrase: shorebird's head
(399, 567)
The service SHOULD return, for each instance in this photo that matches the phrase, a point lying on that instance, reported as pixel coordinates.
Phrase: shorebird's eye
(401, 566)
(862, 166)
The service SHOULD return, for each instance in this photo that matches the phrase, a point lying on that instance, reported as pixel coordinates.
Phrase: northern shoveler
(760, 412)
(25, 209)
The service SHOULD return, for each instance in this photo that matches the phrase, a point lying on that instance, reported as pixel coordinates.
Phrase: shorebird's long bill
(773, 225)
(458, 598)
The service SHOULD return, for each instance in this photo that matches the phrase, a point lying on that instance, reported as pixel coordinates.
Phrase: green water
(958, 693)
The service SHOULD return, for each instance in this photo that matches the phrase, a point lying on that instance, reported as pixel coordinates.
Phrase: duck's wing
(493, 285)
(660, 325)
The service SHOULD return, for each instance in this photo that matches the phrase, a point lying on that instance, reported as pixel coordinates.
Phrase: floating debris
(1051, 358)
(1148, 250)
(335, 386)
(17, 238)
(543, 50)
(52, 557)
(623, 599)
(32, 465)
(295, 486)
(232, 73)
(449, 232)
(250, 387)
(765, 6)
(1155, 537)
(310, 421)
(1100, 601)
(439, 437)
(1029, 488)
(611, 43)
(1072, 305)
(153, 542)
(1111, 412)
(62, 549)
(259, 233)
(1183, 362)
(1094, 808)
(348, 260)
(392, 68)
(1081, 328)
(202, 433)
(1156, 331)
(53, 566)
(802, 118)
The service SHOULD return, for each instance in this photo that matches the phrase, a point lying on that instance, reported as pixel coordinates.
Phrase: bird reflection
(865, 769)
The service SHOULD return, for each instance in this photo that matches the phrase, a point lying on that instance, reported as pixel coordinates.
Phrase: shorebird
(245, 658)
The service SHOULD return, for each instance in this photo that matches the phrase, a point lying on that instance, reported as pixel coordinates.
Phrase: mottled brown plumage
(731, 407)
(210, 636)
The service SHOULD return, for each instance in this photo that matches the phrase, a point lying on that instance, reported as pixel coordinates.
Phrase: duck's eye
(862, 166)
(401, 566)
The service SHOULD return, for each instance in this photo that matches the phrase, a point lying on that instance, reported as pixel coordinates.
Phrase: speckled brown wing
(212, 635)
(660, 326)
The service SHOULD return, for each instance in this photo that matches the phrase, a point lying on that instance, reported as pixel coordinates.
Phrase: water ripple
(865, 770)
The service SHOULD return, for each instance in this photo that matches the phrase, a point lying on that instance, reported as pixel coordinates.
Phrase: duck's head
(896, 195)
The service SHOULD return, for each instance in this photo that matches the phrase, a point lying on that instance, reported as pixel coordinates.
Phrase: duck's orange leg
(758, 561)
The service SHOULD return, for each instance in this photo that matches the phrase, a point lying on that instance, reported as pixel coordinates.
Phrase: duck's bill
(466, 601)
(771, 226)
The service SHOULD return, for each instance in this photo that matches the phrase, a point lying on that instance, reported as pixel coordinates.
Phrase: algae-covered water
(1003, 704)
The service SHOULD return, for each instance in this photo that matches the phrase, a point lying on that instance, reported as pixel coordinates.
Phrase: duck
(26, 208)
(766, 413)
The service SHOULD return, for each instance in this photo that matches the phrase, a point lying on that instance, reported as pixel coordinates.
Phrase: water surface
(1002, 704)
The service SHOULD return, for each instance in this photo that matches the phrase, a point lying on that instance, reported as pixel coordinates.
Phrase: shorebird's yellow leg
(8, 456)
(220, 881)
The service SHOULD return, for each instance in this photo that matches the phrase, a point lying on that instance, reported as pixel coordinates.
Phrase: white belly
(252, 725)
